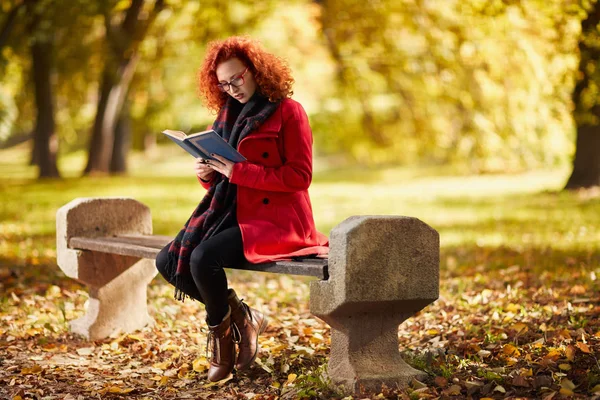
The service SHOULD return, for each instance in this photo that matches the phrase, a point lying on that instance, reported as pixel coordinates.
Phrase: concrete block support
(117, 284)
(382, 270)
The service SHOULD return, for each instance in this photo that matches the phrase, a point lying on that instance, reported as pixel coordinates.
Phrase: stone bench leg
(382, 270)
(117, 284)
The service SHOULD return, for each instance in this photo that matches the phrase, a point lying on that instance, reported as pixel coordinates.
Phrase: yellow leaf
(520, 327)
(433, 332)
(116, 389)
(51, 347)
(566, 392)
(17, 397)
(291, 378)
(567, 384)
(135, 337)
(553, 353)
(565, 334)
(583, 347)
(162, 365)
(570, 352)
(219, 383)
(512, 307)
(183, 370)
(32, 331)
(564, 367)
(526, 372)
(595, 389)
(33, 370)
(163, 381)
(200, 364)
(511, 350)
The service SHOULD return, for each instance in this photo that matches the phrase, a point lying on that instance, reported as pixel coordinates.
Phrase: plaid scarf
(217, 209)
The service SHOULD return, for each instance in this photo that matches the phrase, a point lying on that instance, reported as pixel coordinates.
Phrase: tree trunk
(122, 143)
(586, 164)
(9, 23)
(45, 139)
(112, 95)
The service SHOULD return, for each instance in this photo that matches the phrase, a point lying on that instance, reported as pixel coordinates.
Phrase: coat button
(265, 201)
(265, 155)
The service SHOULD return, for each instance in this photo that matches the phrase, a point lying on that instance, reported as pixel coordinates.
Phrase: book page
(176, 134)
(191, 135)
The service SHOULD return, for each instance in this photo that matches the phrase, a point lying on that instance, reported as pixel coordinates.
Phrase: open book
(202, 144)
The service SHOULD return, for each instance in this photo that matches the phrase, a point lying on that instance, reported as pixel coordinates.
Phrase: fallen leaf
(566, 392)
(484, 353)
(118, 390)
(583, 347)
(85, 351)
(33, 370)
(417, 384)
(291, 378)
(500, 389)
(440, 381)
(567, 384)
(520, 381)
(453, 390)
(520, 327)
(577, 289)
(163, 365)
(200, 364)
(564, 367)
(511, 350)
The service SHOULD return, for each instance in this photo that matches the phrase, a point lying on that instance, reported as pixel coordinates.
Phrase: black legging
(209, 282)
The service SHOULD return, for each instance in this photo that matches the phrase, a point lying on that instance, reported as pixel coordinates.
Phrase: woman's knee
(204, 260)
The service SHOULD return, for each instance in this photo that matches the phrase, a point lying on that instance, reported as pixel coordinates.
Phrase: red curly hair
(272, 74)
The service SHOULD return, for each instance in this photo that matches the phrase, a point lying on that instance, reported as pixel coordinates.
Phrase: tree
(29, 25)
(45, 143)
(481, 83)
(586, 99)
(123, 40)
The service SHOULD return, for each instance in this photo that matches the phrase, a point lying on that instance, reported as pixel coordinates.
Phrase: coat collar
(272, 125)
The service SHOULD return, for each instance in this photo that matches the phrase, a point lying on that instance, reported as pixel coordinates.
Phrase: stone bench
(381, 270)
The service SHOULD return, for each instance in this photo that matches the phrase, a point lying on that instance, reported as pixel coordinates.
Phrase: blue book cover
(203, 144)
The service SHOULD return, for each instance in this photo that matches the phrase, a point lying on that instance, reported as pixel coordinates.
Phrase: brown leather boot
(250, 324)
(220, 339)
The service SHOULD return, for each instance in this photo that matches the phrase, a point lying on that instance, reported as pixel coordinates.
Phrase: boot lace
(213, 343)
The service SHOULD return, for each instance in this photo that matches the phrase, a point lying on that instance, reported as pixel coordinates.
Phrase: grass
(489, 210)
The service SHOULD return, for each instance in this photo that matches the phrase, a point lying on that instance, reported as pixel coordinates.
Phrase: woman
(257, 210)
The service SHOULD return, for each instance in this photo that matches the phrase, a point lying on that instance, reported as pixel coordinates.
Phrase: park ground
(517, 315)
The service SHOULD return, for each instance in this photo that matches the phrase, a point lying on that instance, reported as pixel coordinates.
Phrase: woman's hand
(202, 169)
(221, 165)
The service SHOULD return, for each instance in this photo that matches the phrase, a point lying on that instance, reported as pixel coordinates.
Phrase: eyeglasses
(235, 82)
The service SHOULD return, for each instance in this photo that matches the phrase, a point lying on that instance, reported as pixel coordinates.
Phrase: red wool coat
(273, 207)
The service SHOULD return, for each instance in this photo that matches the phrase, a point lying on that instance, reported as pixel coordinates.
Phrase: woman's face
(236, 80)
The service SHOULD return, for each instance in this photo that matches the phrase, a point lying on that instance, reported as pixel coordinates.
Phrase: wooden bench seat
(148, 246)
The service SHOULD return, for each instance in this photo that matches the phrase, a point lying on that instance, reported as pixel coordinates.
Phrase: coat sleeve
(207, 184)
(296, 172)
